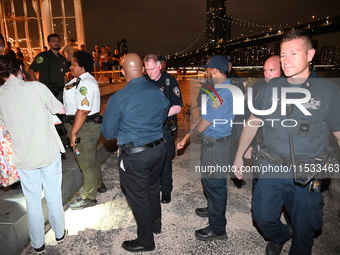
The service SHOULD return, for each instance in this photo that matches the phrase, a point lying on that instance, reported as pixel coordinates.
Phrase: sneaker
(40, 250)
(102, 188)
(83, 203)
(61, 239)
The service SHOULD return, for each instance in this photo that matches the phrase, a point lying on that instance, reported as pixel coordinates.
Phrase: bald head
(272, 68)
(132, 66)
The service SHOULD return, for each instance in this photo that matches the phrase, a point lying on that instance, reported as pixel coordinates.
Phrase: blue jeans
(48, 179)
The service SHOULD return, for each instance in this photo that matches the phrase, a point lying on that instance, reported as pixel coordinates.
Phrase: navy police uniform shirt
(165, 80)
(310, 132)
(135, 114)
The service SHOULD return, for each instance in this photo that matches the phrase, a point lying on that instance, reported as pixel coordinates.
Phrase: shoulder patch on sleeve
(85, 102)
(39, 59)
(83, 90)
(176, 91)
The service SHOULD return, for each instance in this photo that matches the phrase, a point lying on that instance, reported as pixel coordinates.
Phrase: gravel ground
(101, 229)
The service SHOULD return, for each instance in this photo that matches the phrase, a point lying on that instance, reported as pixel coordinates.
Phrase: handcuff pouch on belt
(257, 147)
(302, 170)
(171, 124)
(208, 141)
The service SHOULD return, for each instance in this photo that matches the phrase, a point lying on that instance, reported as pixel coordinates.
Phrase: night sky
(172, 26)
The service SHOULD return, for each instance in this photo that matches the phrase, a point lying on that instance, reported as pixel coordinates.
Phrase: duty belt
(129, 151)
(274, 158)
(219, 140)
(95, 118)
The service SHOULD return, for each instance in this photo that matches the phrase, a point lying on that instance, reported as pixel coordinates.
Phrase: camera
(77, 140)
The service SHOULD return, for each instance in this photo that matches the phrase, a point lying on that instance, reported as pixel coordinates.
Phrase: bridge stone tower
(217, 26)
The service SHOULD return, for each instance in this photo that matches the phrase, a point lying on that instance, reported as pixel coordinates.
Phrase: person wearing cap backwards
(215, 148)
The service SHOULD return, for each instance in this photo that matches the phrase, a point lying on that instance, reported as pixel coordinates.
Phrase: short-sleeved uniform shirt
(165, 80)
(136, 114)
(219, 113)
(84, 96)
(26, 110)
(310, 132)
(51, 69)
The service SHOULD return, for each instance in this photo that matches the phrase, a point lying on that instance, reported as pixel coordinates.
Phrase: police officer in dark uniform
(51, 66)
(295, 148)
(216, 142)
(170, 88)
(135, 116)
(271, 69)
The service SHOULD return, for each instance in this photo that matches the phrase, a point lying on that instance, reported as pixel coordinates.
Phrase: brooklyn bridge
(233, 46)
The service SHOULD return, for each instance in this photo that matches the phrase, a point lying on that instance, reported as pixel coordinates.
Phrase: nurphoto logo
(238, 104)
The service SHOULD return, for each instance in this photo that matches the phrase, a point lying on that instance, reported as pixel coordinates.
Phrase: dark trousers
(140, 181)
(304, 208)
(215, 184)
(166, 177)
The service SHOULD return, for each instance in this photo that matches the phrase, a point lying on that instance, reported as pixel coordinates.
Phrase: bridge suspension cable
(193, 43)
(238, 22)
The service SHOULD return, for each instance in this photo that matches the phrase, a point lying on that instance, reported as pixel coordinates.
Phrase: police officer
(294, 148)
(51, 66)
(170, 88)
(216, 142)
(82, 120)
(271, 69)
(135, 116)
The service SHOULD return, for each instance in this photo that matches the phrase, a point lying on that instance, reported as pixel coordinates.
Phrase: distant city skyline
(173, 26)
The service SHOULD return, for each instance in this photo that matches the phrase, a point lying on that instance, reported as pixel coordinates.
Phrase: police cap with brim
(219, 62)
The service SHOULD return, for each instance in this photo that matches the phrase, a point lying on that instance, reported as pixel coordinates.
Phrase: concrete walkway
(100, 230)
